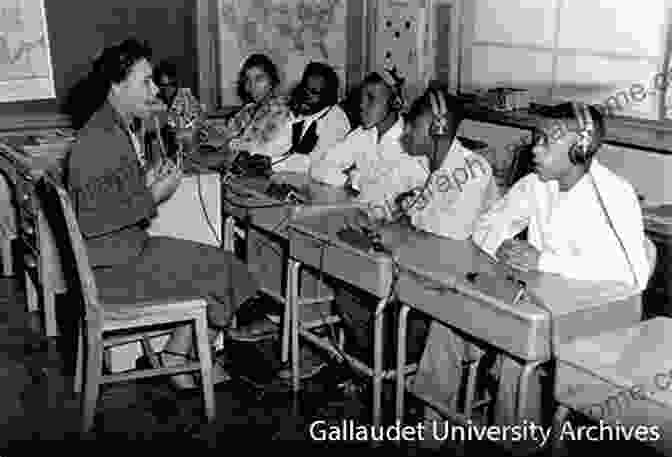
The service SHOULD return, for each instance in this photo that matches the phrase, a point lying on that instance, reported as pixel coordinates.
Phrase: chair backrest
(57, 208)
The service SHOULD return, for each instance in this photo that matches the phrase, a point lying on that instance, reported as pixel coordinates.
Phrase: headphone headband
(585, 131)
(439, 125)
(391, 77)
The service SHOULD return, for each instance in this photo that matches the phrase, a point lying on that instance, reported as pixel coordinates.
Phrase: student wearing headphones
(317, 122)
(459, 189)
(583, 222)
(461, 185)
(370, 160)
(569, 185)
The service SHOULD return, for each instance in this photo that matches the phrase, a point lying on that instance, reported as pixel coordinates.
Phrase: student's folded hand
(520, 255)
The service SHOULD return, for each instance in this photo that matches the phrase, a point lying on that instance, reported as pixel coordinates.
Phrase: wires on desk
(205, 210)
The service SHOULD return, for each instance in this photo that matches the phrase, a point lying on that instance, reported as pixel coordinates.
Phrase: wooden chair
(102, 325)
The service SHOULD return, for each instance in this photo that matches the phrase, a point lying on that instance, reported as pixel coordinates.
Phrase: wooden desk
(621, 377)
(658, 225)
(266, 219)
(266, 222)
(314, 241)
(433, 270)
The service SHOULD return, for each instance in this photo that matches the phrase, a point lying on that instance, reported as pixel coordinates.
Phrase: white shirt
(455, 196)
(332, 126)
(571, 229)
(382, 169)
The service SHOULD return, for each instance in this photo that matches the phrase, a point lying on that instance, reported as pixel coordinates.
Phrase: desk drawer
(525, 336)
(370, 272)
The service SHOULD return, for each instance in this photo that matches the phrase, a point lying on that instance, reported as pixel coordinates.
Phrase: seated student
(460, 188)
(264, 113)
(115, 192)
(461, 185)
(370, 159)
(606, 242)
(317, 123)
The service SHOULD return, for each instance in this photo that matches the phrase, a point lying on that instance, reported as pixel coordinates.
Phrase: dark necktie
(306, 143)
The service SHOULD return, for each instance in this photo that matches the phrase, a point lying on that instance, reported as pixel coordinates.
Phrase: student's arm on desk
(596, 265)
(506, 217)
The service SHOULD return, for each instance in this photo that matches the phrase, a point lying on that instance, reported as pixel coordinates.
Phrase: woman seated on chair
(254, 127)
(115, 192)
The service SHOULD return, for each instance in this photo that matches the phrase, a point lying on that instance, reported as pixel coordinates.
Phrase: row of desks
(431, 274)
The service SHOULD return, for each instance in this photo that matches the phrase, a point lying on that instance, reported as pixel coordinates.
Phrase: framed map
(26, 72)
(291, 32)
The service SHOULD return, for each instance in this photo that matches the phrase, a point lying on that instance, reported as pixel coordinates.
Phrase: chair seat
(155, 311)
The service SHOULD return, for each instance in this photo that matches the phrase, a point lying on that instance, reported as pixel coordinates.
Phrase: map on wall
(25, 61)
(291, 32)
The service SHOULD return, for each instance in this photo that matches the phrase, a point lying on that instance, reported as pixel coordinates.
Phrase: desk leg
(293, 307)
(401, 362)
(525, 374)
(378, 361)
(227, 233)
(287, 328)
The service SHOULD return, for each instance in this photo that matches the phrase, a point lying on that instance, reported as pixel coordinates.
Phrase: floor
(37, 403)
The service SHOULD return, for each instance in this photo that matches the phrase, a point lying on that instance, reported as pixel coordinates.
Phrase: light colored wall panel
(523, 22)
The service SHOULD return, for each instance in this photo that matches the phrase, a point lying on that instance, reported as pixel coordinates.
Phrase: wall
(78, 30)
(646, 171)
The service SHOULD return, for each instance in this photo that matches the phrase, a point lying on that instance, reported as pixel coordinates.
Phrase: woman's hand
(164, 180)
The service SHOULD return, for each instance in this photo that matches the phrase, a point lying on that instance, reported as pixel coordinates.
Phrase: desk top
(252, 191)
(445, 260)
(628, 357)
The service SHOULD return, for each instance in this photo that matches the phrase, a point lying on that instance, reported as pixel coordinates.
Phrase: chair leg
(92, 381)
(79, 364)
(31, 294)
(50, 326)
(286, 324)
(7, 257)
(205, 358)
(559, 448)
(294, 313)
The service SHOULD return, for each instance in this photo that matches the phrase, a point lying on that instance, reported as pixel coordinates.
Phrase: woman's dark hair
(332, 82)
(113, 65)
(263, 62)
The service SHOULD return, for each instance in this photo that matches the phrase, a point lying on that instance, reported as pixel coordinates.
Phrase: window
(605, 52)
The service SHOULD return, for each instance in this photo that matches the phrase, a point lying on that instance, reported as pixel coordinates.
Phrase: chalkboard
(80, 29)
